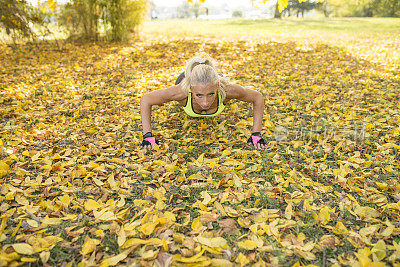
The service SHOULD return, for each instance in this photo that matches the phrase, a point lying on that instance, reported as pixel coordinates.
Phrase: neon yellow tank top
(188, 108)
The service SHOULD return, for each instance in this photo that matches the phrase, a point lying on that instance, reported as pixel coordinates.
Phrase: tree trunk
(393, 8)
(277, 15)
(326, 13)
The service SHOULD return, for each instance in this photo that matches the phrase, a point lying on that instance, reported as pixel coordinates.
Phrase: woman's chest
(195, 107)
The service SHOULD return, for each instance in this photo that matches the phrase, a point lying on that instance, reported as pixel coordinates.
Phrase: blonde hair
(202, 70)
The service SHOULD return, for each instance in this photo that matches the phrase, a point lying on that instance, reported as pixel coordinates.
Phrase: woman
(203, 93)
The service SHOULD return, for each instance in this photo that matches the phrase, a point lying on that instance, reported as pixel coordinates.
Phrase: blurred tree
(124, 16)
(17, 15)
(387, 8)
(183, 10)
(119, 17)
(325, 8)
(352, 8)
(365, 8)
(301, 6)
(237, 13)
(280, 5)
(196, 8)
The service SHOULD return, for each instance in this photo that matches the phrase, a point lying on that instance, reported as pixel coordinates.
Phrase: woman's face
(204, 95)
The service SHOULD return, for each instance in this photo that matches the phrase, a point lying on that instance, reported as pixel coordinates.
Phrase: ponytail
(202, 70)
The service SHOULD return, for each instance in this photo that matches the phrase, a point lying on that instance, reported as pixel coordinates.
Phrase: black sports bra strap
(180, 78)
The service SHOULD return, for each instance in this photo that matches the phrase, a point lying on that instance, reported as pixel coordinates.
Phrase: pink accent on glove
(152, 140)
(255, 139)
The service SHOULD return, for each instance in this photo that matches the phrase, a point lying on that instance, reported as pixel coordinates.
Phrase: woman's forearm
(145, 114)
(258, 111)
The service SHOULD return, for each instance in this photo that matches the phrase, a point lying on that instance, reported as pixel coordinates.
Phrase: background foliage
(16, 16)
(119, 18)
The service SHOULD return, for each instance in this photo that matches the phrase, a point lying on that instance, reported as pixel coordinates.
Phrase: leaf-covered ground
(77, 190)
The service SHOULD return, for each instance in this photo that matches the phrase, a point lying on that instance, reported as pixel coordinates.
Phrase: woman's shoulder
(233, 91)
(176, 93)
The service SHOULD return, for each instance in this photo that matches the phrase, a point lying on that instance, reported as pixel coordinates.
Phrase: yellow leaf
(45, 256)
(231, 212)
(196, 224)
(94, 165)
(149, 255)
(36, 156)
(244, 222)
(389, 230)
(91, 205)
(32, 223)
(366, 212)
(379, 250)
(25, 259)
(23, 248)
(148, 228)
(89, 245)
(221, 262)
(115, 259)
(220, 208)
(111, 182)
(196, 258)
(340, 229)
(3, 168)
(65, 201)
(121, 237)
(368, 230)
(206, 197)
(282, 4)
(104, 215)
(225, 153)
(363, 257)
(97, 182)
(248, 244)
(51, 221)
(202, 206)
(201, 158)
(242, 259)
(21, 200)
(170, 216)
(324, 215)
(289, 211)
(213, 242)
(305, 255)
(137, 241)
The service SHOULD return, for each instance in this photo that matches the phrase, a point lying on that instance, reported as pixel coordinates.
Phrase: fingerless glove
(256, 138)
(149, 140)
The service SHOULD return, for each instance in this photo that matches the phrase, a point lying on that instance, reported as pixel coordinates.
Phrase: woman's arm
(157, 97)
(252, 96)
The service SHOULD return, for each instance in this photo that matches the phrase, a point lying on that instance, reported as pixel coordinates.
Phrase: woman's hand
(149, 140)
(256, 140)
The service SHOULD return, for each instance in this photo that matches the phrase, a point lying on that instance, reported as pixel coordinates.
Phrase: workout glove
(256, 138)
(149, 140)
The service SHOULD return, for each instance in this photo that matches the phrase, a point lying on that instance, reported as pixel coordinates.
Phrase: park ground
(77, 190)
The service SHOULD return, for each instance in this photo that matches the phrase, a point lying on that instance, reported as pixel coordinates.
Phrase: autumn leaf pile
(76, 189)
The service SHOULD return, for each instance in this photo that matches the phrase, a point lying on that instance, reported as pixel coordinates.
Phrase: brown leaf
(207, 218)
(163, 259)
(228, 226)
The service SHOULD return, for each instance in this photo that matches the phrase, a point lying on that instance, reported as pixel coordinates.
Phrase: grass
(353, 34)
(271, 27)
